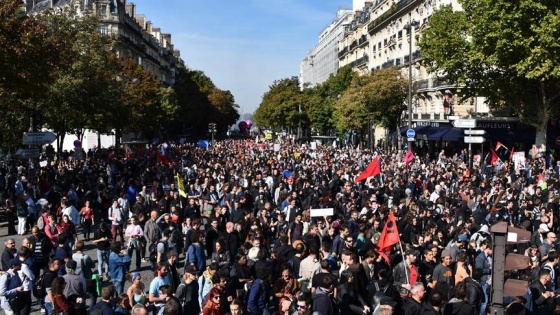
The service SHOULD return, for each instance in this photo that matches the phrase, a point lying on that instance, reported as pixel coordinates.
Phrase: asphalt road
(90, 249)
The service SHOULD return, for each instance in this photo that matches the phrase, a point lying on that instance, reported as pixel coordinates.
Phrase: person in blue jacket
(196, 255)
(258, 294)
(119, 262)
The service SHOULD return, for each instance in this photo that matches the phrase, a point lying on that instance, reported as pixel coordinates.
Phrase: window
(103, 30)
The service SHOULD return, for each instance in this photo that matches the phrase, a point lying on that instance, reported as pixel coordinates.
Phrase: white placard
(313, 145)
(276, 147)
(43, 163)
(322, 212)
(519, 160)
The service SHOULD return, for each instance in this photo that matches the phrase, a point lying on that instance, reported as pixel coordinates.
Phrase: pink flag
(409, 157)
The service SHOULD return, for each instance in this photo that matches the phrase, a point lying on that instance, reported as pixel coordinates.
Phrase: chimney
(131, 9)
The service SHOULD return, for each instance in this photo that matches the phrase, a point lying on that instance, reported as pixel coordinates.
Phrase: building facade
(137, 38)
(322, 60)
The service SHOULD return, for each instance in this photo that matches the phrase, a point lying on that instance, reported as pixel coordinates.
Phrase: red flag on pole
(494, 158)
(389, 237)
(511, 154)
(372, 170)
(409, 157)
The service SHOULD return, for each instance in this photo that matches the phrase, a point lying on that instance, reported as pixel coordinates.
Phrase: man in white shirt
(71, 211)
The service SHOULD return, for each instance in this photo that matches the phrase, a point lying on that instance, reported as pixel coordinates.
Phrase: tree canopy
(58, 71)
(504, 50)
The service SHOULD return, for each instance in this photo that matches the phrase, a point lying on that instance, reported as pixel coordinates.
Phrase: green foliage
(200, 102)
(280, 105)
(505, 50)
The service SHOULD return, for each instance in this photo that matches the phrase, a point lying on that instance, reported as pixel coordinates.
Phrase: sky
(243, 45)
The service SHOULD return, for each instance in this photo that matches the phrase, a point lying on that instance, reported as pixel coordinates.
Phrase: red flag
(494, 158)
(409, 157)
(511, 154)
(389, 237)
(372, 170)
(498, 145)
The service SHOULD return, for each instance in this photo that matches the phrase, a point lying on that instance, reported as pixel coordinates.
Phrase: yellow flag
(181, 186)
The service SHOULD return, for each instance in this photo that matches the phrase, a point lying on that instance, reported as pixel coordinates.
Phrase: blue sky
(243, 45)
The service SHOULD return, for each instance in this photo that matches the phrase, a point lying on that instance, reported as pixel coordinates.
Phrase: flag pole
(404, 260)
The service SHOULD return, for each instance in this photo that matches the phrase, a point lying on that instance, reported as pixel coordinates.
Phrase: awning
(522, 134)
(447, 134)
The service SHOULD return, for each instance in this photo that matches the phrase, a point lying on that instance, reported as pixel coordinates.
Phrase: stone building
(137, 38)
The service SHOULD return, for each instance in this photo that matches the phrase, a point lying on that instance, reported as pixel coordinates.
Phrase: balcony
(439, 83)
(388, 64)
(358, 63)
(362, 40)
(342, 52)
(353, 45)
(421, 84)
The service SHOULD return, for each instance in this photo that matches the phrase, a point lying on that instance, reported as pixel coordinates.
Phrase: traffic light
(212, 127)
(502, 262)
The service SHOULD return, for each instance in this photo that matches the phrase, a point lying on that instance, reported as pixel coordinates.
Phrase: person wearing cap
(441, 278)
(386, 306)
(75, 283)
(406, 273)
(11, 288)
(459, 245)
(187, 292)
(26, 275)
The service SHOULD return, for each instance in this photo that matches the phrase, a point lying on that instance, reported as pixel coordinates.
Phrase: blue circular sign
(410, 133)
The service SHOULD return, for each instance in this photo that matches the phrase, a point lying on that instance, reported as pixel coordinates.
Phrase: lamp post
(408, 28)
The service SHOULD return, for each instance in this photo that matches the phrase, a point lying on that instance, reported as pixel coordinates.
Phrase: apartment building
(137, 38)
(385, 33)
(322, 60)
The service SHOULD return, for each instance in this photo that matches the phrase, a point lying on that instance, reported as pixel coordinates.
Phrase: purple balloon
(249, 122)
(242, 125)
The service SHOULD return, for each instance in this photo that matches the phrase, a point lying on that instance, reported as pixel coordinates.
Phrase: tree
(320, 100)
(27, 63)
(385, 93)
(199, 102)
(82, 94)
(280, 105)
(504, 50)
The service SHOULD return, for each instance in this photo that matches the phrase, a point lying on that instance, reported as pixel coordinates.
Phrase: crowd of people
(241, 228)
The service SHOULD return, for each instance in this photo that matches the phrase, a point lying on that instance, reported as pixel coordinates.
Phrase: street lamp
(408, 28)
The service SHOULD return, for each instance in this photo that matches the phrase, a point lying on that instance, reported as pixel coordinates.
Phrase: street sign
(464, 123)
(38, 138)
(410, 133)
(28, 153)
(475, 132)
(469, 139)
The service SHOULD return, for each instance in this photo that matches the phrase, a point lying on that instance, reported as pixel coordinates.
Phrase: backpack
(153, 250)
(379, 292)
(22, 210)
(12, 283)
(39, 290)
(96, 310)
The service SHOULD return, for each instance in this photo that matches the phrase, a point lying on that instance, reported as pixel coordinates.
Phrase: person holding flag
(389, 237)
(373, 169)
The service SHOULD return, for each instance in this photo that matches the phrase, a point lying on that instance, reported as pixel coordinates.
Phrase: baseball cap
(463, 238)
(71, 264)
(387, 301)
(192, 270)
(544, 227)
(14, 262)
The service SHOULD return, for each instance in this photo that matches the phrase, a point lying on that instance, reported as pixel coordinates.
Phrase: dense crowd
(234, 229)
